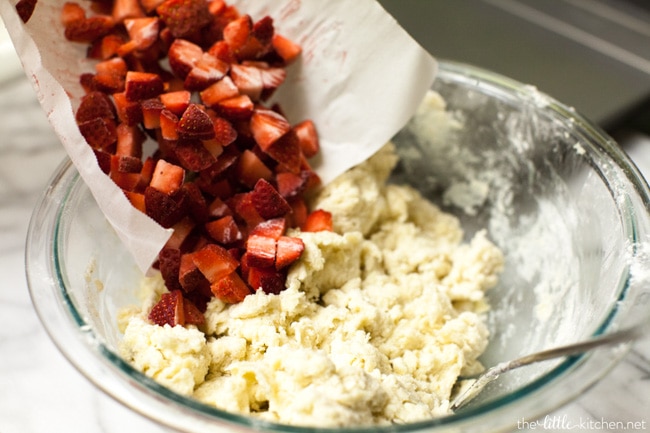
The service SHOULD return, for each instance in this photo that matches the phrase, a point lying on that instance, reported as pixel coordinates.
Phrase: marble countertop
(41, 392)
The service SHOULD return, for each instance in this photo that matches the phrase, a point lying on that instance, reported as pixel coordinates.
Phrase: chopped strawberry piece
(169, 262)
(129, 112)
(206, 71)
(267, 127)
(250, 169)
(318, 220)
(95, 105)
(195, 123)
(189, 275)
(71, 12)
(217, 208)
(162, 208)
(124, 9)
(307, 138)
(106, 47)
(272, 78)
(288, 250)
(100, 133)
(219, 91)
(286, 151)
(243, 206)
(196, 202)
(224, 230)
(177, 101)
(273, 228)
(237, 33)
(142, 85)
(184, 18)
(168, 125)
(151, 109)
(239, 107)
(248, 80)
(299, 211)
(137, 200)
(291, 184)
(214, 262)
(193, 315)
(267, 201)
(269, 280)
(286, 48)
(182, 231)
(89, 29)
(193, 155)
(25, 9)
(183, 55)
(167, 178)
(150, 5)
(125, 164)
(221, 50)
(263, 30)
(224, 133)
(260, 251)
(129, 141)
(169, 309)
(231, 289)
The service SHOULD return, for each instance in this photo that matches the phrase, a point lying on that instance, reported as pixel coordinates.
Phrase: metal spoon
(493, 373)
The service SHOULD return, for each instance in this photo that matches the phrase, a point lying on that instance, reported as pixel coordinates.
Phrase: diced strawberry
(248, 80)
(110, 76)
(100, 133)
(126, 181)
(206, 71)
(193, 155)
(267, 127)
(286, 151)
(71, 12)
(307, 138)
(288, 250)
(285, 48)
(143, 33)
(224, 230)
(124, 9)
(125, 164)
(106, 47)
(95, 105)
(273, 228)
(189, 275)
(195, 123)
(137, 200)
(238, 107)
(250, 169)
(150, 5)
(168, 125)
(25, 9)
(196, 202)
(224, 133)
(151, 109)
(318, 220)
(268, 280)
(169, 262)
(183, 55)
(237, 33)
(148, 167)
(214, 262)
(291, 184)
(299, 211)
(193, 315)
(221, 50)
(129, 141)
(103, 160)
(217, 208)
(89, 29)
(260, 251)
(167, 178)
(129, 112)
(182, 231)
(213, 147)
(162, 208)
(142, 85)
(272, 78)
(243, 206)
(177, 101)
(263, 30)
(169, 310)
(184, 18)
(226, 160)
(231, 289)
(219, 91)
(267, 201)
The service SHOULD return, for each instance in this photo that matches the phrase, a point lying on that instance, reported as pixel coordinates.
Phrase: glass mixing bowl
(564, 203)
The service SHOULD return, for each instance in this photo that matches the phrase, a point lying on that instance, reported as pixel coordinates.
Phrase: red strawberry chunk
(260, 251)
(267, 127)
(193, 315)
(124, 9)
(162, 208)
(214, 262)
(267, 201)
(243, 206)
(129, 112)
(142, 85)
(151, 109)
(272, 78)
(167, 178)
(193, 155)
(195, 123)
(291, 184)
(95, 105)
(224, 230)
(307, 138)
(169, 309)
(237, 33)
(206, 71)
(177, 101)
(288, 250)
(286, 151)
(89, 29)
(318, 220)
(129, 141)
(224, 132)
(273, 228)
(25, 9)
(183, 55)
(189, 275)
(237, 108)
(269, 280)
(71, 12)
(143, 33)
(169, 262)
(219, 91)
(248, 80)
(184, 18)
(137, 200)
(285, 48)
(231, 289)
(106, 47)
(168, 125)
(182, 231)
(250, 169)
(100, 133)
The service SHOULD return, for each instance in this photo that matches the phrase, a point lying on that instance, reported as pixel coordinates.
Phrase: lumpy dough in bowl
(378, 320)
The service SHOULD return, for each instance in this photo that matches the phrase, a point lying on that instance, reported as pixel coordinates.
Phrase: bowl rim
(43, 265)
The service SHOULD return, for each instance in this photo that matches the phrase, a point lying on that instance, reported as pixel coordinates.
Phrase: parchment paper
(360, 78)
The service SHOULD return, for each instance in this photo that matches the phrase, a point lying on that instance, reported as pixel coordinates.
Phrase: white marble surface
(40, 392)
